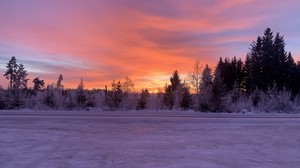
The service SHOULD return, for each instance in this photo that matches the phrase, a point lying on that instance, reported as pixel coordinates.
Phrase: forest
(268, 80)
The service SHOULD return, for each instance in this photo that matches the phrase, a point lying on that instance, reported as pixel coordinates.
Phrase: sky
(105, 40)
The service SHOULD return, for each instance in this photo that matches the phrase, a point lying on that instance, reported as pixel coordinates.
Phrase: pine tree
(21, 78)
(59, 84)
(38, 84)
(11, 72)
(17, 76)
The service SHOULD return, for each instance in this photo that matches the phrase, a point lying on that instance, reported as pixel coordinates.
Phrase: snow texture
(136, 139)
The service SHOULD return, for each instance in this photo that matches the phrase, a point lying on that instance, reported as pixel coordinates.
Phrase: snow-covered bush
(129, 101)
(272, 101)
(155, 101)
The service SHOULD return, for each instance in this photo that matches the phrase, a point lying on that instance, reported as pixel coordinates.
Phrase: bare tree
(195, 76)
(127, 85)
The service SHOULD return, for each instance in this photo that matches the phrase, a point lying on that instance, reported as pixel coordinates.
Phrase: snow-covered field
(131, 139)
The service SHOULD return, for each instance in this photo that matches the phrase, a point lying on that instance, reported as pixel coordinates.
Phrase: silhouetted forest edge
(267, 81)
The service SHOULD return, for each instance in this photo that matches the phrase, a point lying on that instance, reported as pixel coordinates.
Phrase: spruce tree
(169, 96)
(268, 63)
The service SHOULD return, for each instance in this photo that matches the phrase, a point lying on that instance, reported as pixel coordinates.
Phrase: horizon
(102, 41)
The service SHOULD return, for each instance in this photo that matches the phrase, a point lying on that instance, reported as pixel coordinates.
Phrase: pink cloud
(147, 40)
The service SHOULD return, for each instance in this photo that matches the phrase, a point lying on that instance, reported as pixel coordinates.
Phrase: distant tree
(175, 80)
(21, 80)
(143, 99)
(169, 96)
(81, 97)
(295, 79)
(49, 99)
(16, 74)
(115, 95)
(38, 84)
(207, 78)
(268, 63)
(253, 66)
(59, 82)
(230, 72)
(206, 87)
(195, 77)
(11, 72)
(127, 85)
(218, 92)
(186, 98)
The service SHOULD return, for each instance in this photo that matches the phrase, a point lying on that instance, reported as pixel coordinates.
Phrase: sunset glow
(102, 40)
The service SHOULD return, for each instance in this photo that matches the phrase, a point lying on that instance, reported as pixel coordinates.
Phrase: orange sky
(103, 40)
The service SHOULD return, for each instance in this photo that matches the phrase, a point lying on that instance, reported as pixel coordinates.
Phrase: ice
(161, 139)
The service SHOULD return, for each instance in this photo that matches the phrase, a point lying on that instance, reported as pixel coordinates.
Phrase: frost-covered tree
(206, 87)
(143, 99)
(114, 97)
(195, 77)
(127, 85)
(49, 98)
(81, 97)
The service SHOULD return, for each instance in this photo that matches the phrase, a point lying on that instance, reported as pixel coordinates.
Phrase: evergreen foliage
(268, 63)
(177, 94)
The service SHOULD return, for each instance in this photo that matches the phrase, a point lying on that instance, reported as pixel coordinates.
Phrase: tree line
(268, 80)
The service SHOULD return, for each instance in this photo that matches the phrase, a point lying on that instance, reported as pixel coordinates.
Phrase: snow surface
(133, 139)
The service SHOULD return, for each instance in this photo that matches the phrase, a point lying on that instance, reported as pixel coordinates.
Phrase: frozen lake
(117, 139)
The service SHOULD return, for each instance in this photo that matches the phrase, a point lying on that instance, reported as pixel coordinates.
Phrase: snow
(133, 139)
